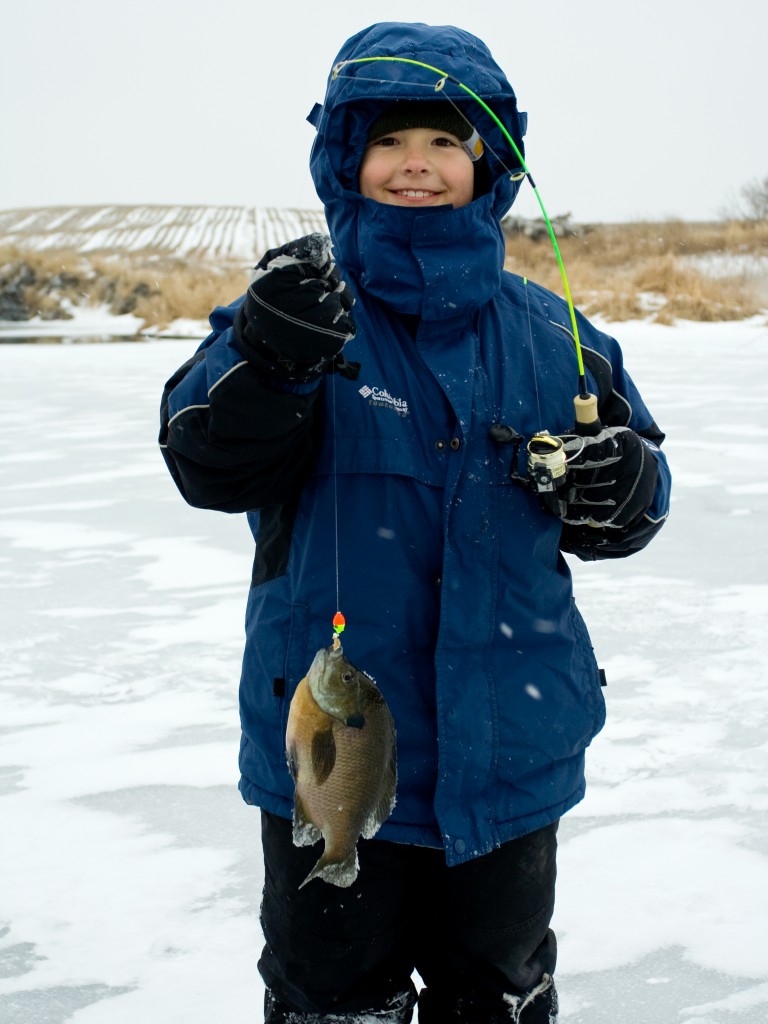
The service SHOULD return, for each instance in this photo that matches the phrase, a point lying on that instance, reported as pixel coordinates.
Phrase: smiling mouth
(415, 193)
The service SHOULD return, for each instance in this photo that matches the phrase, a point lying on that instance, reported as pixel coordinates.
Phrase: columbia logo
(380, 398)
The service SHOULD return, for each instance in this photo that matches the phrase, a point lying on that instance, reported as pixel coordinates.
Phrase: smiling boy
(458, 599)
(420, 166)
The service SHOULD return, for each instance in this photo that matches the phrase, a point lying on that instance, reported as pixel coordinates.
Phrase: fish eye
(347, 677)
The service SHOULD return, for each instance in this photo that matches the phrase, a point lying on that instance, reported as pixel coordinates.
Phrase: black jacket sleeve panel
(240, 444)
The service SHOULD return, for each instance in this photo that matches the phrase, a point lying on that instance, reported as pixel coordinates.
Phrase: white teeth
(413, 193)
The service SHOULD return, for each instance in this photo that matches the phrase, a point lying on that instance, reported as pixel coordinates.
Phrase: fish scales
(342, 755)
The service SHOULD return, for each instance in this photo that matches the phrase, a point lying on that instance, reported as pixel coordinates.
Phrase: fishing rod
(585, 403)
(547, 463)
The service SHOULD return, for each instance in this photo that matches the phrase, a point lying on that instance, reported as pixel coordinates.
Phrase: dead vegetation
(156, 290)
(661, 271)
(163, 291)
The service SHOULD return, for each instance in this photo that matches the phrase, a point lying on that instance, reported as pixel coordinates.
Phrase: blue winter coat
(457, 597)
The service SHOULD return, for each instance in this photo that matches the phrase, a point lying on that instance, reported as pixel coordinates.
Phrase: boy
(390, 477)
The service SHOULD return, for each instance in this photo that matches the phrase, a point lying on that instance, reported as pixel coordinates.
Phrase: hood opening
(402, 61)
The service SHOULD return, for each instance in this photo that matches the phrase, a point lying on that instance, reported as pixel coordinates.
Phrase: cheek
(464, 185)
(372, 174)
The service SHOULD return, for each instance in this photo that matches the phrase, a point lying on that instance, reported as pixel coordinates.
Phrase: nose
(416, 159)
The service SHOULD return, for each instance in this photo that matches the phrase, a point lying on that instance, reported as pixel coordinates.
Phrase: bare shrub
(751, 203)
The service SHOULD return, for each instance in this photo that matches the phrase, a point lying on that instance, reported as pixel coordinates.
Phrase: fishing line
(524, 276)
(530, 326)
(338, 621)
(439, 86)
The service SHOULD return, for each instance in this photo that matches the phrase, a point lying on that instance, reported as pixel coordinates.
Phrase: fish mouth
(335, 688)
(324, 657)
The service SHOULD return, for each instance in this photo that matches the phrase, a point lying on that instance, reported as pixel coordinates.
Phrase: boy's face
(417, 167)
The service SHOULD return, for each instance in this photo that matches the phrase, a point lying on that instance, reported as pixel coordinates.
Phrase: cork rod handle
(587, 418)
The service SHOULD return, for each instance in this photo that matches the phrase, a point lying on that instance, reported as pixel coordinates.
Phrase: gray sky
(636, 110)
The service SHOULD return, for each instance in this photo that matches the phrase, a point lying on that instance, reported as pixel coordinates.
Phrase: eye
(347, 677)
(385, 140)
(445, 140)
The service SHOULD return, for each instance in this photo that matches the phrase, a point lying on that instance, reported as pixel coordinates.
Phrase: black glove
(296, 315)
(610, 480)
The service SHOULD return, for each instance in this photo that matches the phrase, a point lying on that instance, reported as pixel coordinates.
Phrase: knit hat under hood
(440, 116)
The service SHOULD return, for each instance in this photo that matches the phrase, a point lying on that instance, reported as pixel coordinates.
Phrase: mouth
(414, 193)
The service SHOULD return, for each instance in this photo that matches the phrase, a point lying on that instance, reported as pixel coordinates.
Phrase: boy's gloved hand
(296, 315)
(611, 478)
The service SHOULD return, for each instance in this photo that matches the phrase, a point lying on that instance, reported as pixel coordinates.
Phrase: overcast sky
(637, 110)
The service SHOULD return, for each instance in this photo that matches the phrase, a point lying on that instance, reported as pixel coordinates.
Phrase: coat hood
(419, 261)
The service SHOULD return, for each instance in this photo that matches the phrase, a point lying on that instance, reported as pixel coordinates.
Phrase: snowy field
(216, 232)
(129, 869)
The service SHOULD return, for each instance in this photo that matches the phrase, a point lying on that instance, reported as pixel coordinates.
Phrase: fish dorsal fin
(374, 698)
(323, 755)
(386, 801)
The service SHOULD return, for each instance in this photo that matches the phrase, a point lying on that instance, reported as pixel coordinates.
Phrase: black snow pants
(477, 934)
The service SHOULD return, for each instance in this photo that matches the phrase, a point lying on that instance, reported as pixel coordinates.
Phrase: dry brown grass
(158, 291)
(619, 271)
(624, 271)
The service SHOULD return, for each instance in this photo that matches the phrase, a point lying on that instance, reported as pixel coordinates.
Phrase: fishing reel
(546, 460)
(546, 463)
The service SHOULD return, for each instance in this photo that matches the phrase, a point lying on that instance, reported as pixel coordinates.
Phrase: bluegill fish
(341, 753)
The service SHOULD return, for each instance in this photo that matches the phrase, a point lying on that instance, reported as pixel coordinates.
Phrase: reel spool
(547, 467)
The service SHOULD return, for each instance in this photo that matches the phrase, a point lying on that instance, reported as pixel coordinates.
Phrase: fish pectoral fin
(323, 755)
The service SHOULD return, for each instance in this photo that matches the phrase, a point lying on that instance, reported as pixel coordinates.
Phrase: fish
(342, 755)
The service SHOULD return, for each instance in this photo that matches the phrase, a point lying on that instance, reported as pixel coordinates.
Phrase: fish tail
(337, 872)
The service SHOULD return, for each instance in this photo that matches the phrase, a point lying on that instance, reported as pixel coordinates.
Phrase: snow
(130, 868)
(95, 324)
(730, 264)
(229, 233)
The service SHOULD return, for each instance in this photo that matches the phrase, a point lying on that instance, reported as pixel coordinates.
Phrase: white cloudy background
(637, 111)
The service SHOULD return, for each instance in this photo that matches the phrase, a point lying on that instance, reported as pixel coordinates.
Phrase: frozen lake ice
(130, 870)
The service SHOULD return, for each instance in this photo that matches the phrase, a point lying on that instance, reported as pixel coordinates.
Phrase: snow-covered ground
(93, 324)
(129, 869)
(231, 233)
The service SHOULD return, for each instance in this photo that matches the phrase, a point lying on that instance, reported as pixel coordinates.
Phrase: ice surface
(129, 868)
